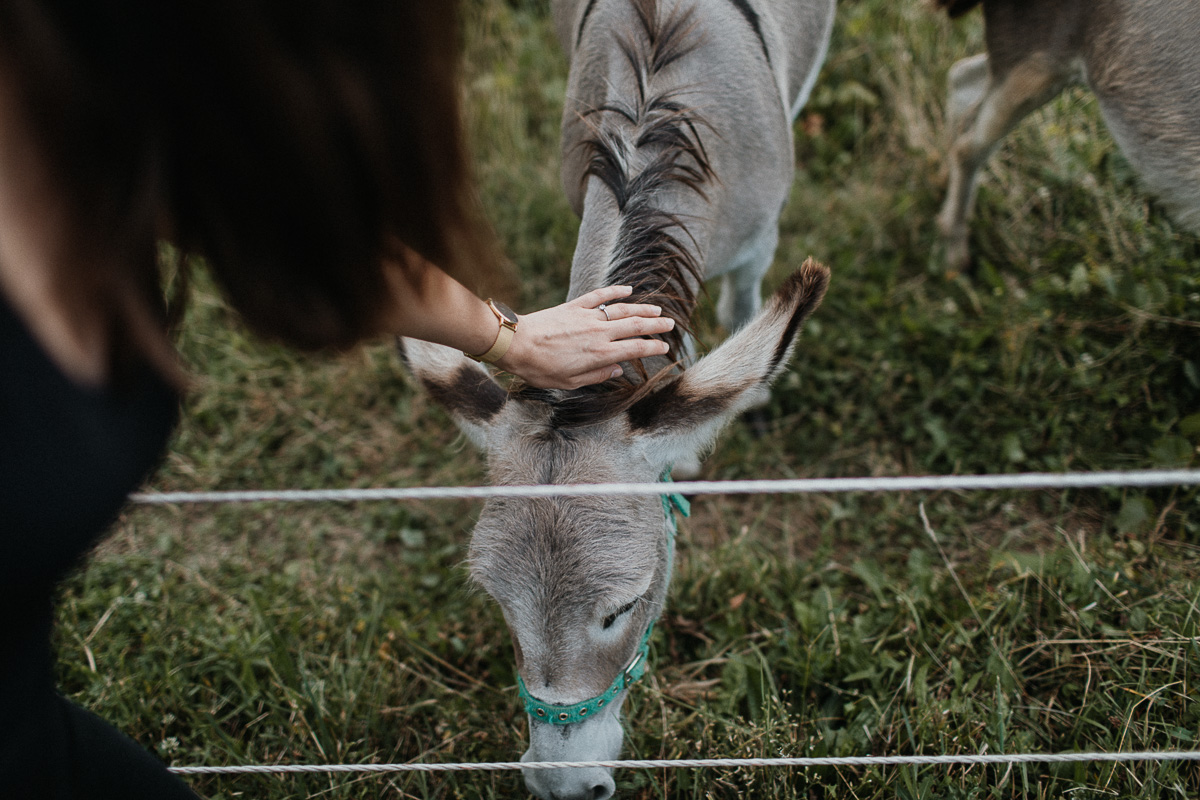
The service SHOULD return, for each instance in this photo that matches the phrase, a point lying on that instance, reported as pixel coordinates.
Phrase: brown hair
(293, 145)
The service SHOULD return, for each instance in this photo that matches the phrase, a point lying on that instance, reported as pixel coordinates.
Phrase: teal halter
(636, 668)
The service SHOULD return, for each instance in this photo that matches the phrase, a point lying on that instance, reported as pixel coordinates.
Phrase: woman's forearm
(436, 308)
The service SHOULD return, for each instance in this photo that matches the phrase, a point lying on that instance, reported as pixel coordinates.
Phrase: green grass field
(797, 625)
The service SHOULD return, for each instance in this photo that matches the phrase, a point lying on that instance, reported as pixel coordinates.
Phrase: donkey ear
(683, 418)
(460, 385)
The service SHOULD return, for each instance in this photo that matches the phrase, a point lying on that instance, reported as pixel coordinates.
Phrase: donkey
(1140, 59)
(677, 153)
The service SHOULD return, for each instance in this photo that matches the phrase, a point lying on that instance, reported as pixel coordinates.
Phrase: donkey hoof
(955, 257)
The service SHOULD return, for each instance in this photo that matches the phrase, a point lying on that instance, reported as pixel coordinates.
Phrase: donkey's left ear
(683, 418)
(460, 385)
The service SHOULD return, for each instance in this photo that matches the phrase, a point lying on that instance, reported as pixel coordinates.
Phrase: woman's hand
(565, 347)
(578, 343)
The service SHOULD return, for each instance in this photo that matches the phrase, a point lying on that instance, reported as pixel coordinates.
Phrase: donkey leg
(968, 81)
(1003, 101)
(741, 300)
(741, 286)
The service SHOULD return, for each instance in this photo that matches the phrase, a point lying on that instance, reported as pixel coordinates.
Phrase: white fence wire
(698, 763)
(1018, 481)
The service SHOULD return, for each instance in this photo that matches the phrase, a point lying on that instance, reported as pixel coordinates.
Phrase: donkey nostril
(602, 791)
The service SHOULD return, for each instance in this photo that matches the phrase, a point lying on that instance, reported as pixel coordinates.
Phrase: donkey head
(580, 580)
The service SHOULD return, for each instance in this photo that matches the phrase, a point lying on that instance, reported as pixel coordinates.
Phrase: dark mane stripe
(654, 252)
(587, 12)
(743, 6)
(752, 17)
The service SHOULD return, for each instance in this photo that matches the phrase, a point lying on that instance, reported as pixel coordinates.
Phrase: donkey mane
(652, 253)
(590, 405)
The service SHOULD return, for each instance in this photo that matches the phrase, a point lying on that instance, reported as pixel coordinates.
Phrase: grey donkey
(1141, 58)
(677, 154)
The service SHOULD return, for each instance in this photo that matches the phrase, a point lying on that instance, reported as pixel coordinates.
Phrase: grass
(840, 625)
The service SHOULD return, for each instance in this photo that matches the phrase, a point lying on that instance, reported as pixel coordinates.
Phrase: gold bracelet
(504, 337)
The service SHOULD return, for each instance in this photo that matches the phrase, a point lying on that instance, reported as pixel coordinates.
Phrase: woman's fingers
(606, 294)
(602, 301)
(636, 326)
(625, 310)
(629, 349)
(597, 376)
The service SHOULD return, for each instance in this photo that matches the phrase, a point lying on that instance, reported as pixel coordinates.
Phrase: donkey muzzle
(598, 739)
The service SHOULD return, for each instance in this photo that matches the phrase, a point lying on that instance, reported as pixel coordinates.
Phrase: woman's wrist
(506, 320)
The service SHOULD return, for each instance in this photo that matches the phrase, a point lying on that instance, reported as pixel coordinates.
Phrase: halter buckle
(628, 671)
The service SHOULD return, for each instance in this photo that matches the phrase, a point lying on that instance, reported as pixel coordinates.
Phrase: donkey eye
(620, 612)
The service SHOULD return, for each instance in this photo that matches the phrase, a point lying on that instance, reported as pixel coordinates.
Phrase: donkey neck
(644, 167)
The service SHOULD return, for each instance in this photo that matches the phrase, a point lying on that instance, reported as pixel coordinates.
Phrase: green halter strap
(636, 668)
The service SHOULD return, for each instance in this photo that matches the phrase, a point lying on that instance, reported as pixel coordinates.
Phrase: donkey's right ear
(682, 419)
(461, 385)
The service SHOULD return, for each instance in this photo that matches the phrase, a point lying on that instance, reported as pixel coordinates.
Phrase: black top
(69, 456)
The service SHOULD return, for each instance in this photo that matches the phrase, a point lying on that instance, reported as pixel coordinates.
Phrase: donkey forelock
(563, 553)
(540, 531)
